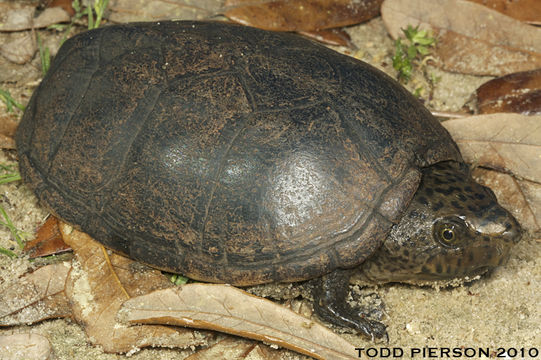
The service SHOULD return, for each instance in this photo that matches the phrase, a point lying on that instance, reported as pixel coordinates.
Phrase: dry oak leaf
(235, 348)
(301, 15)
(471, 38)
(122, 11)
(48, 240)
(523, 10)
(8, 124)
(21, 50)
(18, 19)
(36, 296)
(67, 5)
(97, 289)
(514, 93)
(230, 310)
(7, 130)
(509, 143)
(316, 19)
(15, 18)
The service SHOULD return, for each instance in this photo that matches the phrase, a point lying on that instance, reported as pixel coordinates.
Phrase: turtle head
(453, 228)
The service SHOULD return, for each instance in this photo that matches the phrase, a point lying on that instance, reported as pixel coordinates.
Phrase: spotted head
(453, 228)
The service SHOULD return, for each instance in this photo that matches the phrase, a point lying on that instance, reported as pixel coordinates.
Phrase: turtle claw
(376, 330)
(330, 305)
(344, 315)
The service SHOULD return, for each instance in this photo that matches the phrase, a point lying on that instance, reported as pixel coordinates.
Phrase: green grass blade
(9, 101)
(7, 252)
(9, 224)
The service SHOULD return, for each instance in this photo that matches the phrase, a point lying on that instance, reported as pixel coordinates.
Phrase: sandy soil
(501, 310)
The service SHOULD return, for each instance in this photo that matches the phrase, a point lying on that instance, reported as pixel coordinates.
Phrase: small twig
(449, 115)
(110, 265)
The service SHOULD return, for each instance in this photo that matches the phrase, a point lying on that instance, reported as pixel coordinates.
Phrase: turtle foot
(330, 305)
(347, 316)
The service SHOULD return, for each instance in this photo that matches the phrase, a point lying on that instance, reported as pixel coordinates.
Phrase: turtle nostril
(513, 232)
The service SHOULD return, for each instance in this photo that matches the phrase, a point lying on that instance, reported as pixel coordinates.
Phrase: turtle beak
(497, 253)
(504, 228)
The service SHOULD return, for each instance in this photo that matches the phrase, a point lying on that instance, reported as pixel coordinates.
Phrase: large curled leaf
(471, 38)
(228, 309)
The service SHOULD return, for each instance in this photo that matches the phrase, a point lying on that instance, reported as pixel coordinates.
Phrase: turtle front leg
(330, 305)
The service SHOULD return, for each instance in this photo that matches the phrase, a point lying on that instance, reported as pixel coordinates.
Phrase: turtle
(236, 155)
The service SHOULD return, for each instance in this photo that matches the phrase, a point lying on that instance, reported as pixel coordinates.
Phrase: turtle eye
(448, 234)
(447, 231)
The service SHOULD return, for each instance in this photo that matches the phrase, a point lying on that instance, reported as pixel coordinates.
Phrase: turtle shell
(223, 152)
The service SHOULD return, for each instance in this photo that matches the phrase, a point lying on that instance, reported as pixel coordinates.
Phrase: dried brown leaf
(8, 125)
(518, 93)
(235, 348)
(7, 130)
(48, 240)
(301, 15)
(67, 5)
(25, 346)
(228, 309)
(98, 289)
(506, 142)
(523, 10)
(19, 51)
(509, 143)
(51, 16)
(122, 11)
(472, 38)
(17, 19)
(36, 296)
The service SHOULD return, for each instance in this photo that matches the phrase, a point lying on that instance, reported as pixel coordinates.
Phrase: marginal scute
(395, 201)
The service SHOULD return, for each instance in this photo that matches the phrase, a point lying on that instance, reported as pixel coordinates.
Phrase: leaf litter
(100, 286)
(471, 38)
